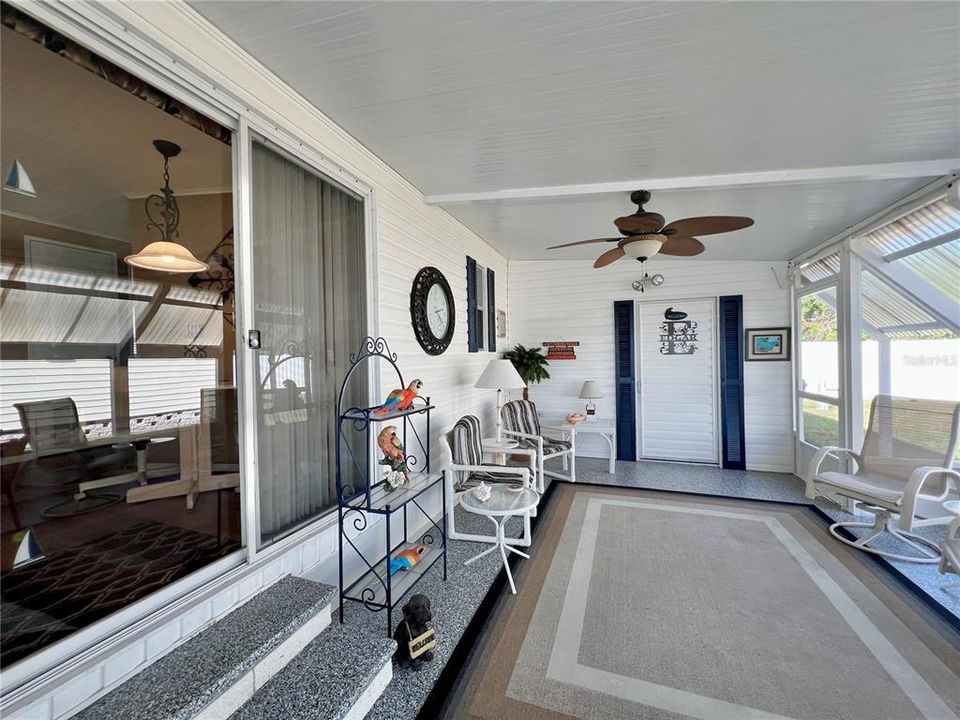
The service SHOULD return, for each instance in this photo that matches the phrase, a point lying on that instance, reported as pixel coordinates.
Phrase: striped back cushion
(521, 416)
(51, 424)
(466, 442)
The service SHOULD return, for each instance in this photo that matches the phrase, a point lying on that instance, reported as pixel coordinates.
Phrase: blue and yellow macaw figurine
(399, 399)
(406, 559)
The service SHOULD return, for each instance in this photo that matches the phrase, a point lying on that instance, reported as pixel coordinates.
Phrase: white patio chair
(907, 456)
(468, 470)
(950, 553)
(521, 422)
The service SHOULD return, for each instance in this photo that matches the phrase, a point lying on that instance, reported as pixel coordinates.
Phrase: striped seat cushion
(465, 446)
(521, 416)
(550, 446)
(474, 479)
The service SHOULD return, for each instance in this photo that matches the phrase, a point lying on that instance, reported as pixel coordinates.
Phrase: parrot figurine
(399, 400)
(406, 559)
(391, 445)
(393, 455)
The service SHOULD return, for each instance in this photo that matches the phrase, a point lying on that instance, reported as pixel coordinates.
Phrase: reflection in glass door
(309, 303)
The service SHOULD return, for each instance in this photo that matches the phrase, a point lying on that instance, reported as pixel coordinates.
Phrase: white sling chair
(907, 455)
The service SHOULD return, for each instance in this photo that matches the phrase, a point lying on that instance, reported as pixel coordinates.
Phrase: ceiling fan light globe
(643, 246)
(657, 280)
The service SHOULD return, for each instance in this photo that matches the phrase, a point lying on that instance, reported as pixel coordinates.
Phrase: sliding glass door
(308, 315)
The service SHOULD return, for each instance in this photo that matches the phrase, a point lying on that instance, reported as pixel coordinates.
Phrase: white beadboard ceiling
(466, 97)
(87, 144)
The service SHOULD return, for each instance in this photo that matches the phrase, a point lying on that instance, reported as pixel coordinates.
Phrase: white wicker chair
(468, 470)
(521, 423)
(907, 455)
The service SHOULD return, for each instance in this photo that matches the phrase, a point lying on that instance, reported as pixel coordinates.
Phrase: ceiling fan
(645, 234)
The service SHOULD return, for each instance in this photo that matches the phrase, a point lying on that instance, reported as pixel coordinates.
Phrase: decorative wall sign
(561, 349)
(767, 344)
(678, 336)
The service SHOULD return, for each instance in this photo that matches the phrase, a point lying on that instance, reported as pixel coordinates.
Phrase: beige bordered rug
(644, 604)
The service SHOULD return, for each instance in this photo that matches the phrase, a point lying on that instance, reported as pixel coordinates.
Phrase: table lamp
(500, 375)
(590, 391)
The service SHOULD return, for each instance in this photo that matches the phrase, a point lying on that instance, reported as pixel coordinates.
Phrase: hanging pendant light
(163, 213)
(18, 181)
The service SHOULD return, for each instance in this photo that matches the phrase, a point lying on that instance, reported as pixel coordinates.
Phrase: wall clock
(432, 311)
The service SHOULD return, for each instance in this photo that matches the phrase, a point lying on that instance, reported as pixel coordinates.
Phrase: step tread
(324, 681)
(189, 677)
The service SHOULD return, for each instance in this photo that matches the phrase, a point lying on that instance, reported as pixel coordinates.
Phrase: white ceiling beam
(846, 173)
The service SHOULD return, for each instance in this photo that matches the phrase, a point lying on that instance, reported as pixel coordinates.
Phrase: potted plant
(530, 365)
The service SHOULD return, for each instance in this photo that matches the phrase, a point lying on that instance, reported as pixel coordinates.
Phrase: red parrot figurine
(399, 400)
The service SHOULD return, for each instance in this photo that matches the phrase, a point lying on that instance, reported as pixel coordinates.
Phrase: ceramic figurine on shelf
(406, 559)
(399, 399)
(415, 638)
(393, 457)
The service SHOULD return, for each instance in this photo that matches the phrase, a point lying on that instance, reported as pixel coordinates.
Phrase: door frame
(714, 301)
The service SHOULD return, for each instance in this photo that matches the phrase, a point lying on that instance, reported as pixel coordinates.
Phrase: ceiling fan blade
(609, 256)
(584, 242)
(648, 222)
(709, 225)
(683, 246)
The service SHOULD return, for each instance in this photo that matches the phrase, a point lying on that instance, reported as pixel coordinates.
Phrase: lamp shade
(590, 390)
(500, 375)
(166, 256)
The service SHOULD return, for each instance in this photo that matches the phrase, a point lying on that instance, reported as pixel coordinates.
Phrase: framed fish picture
(767, 344)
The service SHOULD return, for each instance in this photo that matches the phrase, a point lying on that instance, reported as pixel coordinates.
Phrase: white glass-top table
(505, 502)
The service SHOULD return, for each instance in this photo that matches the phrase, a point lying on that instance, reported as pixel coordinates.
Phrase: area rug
(646, 604)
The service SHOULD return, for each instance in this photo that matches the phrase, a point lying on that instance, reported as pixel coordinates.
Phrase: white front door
(677, 380)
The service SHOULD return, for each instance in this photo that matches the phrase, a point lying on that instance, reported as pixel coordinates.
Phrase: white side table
(604, 429)
(504, 503)
(499, 448)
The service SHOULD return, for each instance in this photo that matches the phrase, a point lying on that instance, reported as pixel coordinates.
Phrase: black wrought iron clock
(432, 311)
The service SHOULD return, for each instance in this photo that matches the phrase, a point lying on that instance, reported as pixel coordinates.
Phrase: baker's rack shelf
(361, 492)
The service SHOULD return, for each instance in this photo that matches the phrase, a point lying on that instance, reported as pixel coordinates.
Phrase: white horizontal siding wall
(88, 382)
(569, 300)
(411, 235)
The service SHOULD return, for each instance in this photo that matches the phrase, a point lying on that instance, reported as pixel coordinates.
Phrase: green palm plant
(530, 365)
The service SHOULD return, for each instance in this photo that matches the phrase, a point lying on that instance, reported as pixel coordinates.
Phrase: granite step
(216, 671)
(338, 676)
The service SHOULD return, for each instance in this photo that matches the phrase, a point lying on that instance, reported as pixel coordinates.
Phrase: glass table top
(504, 500)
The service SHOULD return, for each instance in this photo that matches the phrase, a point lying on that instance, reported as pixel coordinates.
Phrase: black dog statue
(416, 615)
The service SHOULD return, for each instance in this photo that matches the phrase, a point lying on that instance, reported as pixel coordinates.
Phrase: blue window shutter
(731, 382)
(473, 334)
(626, 382)
(491, 311)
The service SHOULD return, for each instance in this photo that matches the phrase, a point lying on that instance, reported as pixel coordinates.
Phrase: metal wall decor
(432, 311)
(219, 275)
(678, 335)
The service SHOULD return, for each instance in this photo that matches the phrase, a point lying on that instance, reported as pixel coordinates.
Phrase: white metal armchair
(468, 470)
(907, 456)
(521, 422)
